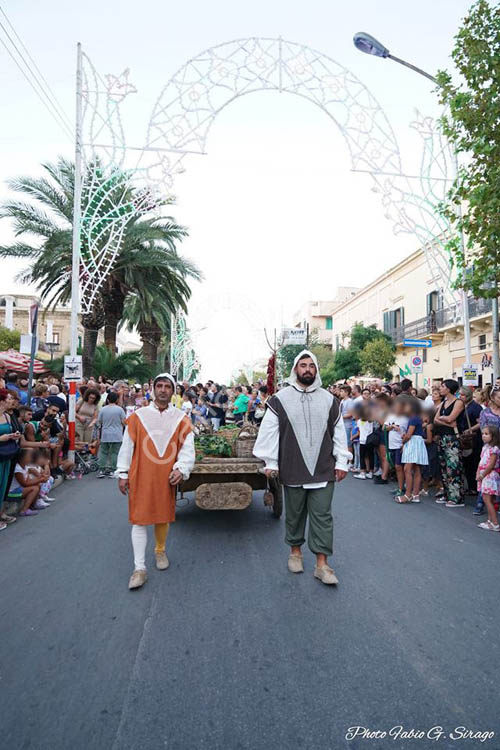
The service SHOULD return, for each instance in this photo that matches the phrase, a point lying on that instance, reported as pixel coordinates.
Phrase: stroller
(85, 461)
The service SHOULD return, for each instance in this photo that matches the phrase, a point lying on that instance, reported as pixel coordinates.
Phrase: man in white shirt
(302, 435)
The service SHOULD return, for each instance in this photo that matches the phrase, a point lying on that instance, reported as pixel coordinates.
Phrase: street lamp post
(369, 45)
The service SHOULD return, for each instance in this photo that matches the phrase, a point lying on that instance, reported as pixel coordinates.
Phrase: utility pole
(75, 266)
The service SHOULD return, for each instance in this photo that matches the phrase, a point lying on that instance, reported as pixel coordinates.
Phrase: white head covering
(292, 378)
(165, 376)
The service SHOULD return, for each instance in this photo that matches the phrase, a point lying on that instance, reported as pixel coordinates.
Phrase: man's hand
(340, 475)
(271, 473)
(175, 477)
(123, 486)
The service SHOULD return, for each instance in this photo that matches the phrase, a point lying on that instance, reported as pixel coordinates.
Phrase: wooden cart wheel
(277, 489)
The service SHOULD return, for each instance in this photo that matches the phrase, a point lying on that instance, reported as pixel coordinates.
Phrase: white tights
(139, 542)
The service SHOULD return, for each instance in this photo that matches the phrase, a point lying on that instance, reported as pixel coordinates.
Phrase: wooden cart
(228, 483)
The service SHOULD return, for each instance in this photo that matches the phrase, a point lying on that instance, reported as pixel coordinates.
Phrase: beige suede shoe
(325, 574)
(162, 561)
(137, 579)
(296, 564)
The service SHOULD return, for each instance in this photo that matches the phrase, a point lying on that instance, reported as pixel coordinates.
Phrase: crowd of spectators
(447, 439)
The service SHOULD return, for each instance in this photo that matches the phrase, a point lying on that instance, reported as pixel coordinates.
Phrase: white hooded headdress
(292, 378)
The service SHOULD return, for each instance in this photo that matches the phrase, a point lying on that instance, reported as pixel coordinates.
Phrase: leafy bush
(126, 366)
(9, 339)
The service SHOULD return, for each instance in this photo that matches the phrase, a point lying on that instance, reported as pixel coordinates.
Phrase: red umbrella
(20, 362)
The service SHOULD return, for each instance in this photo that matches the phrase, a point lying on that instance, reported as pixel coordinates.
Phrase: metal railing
(439, 319)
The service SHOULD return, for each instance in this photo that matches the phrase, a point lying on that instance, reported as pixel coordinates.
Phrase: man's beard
(306, 379)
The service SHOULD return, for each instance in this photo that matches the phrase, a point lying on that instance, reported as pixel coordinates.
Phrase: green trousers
(108, 452)
(317, 504)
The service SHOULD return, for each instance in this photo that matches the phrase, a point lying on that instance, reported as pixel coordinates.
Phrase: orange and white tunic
(154, 444)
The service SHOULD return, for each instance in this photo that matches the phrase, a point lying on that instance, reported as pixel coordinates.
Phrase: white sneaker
(377, 473)
(369, 475)
(360, 476)
(47, 499)
(489, 526)
(40, 505)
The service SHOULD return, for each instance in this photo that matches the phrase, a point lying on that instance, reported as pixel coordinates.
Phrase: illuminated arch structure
(189, 103)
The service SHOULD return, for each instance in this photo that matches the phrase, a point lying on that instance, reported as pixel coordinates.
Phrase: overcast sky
(275, 214)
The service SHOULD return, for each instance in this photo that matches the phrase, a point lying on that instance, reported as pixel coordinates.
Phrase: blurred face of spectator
(366, 394)
(495, 396)
(9, 402)
(52, 410)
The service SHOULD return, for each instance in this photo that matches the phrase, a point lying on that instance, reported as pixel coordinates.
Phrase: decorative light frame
(180, 124)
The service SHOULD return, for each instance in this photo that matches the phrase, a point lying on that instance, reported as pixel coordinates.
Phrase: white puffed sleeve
(125, 456)
(267, 445)
(340, 450)
(186, 457)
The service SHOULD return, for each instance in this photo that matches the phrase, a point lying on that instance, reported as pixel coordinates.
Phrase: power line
(34, 89)
(49, 88)
(48, 104)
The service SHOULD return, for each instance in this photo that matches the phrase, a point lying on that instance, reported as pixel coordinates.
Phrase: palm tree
(48, 218)
(129, 365)
(150, 312)
(148, 265)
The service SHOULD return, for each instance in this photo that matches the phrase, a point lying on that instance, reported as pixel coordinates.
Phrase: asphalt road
(226, 649)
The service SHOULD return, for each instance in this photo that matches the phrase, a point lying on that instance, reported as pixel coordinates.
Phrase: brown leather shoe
(137, 579)
(296, 564)
(325, 574)
(162, 561)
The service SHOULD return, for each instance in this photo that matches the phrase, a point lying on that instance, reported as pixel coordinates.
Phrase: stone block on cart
(227, 496)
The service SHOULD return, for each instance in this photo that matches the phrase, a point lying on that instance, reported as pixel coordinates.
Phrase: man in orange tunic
(156, 454)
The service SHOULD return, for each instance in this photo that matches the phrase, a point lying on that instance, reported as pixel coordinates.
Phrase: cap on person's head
(164, 376)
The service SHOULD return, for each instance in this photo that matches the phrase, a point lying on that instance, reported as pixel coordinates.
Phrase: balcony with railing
(438, 320)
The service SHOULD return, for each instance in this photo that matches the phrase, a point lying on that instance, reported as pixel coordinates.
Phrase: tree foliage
(472, 124)
(9, 339)
(361, 335)
(377, 358)
(364, 354)
(126, 366)
(346, 364)
(147, 265)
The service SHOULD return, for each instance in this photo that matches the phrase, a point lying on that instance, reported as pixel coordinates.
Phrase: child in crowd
(26, 486)
(396, 425)
(430, 473)
(488, 478)
(187, 404)
(41, 469)
(365, 450)
(414, 451)
(355, 444)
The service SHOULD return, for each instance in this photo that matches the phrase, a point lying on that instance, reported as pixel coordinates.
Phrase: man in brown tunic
(157, 452)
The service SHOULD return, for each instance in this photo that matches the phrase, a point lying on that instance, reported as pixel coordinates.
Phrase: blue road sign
(418, 343)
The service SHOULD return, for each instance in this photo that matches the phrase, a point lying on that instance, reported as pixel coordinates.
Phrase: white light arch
(193, 97)
(205, 85)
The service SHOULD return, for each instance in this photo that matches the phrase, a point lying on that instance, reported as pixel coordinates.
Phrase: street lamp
(371, 46)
